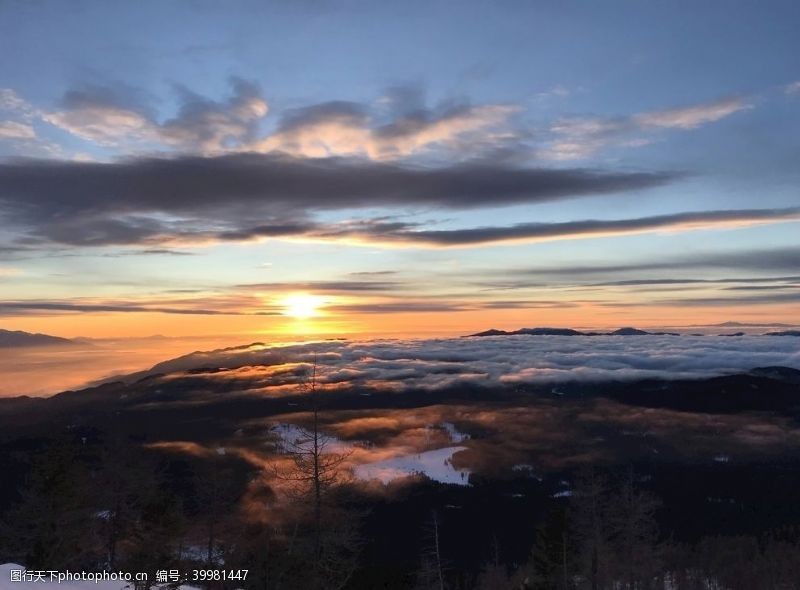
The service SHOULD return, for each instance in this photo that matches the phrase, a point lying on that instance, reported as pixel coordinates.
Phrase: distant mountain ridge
(13, 338)
(627, 331)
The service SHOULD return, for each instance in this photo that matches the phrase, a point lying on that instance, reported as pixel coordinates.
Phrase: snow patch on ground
(436, 465)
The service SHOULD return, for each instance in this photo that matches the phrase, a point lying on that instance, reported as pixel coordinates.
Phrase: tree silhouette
(431, 573)
(52, 527)
(317, 477)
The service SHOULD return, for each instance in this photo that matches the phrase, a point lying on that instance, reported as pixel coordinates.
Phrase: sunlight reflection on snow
(436, 465)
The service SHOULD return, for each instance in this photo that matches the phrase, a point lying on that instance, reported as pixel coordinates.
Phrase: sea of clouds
(503, 360)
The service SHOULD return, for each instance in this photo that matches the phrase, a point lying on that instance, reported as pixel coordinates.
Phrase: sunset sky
(321, 168)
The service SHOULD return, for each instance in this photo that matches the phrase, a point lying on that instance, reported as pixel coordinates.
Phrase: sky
(296, 169)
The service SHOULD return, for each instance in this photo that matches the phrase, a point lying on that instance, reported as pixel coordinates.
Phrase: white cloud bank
(494, 361)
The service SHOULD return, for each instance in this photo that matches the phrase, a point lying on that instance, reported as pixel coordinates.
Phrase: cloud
(399, 126)
(500, 361)
(764, 260)
(399, 307)
(325, 286)
(94, 115)
(13, 104)
(373, 273)
(532, 232)
(581, 137)
(199, 200)
(223, 303)
(557, 91)
(16, 126)
(528, 304)
(11, 308)
(792, 88)
(14, 130)
(688, 281)
(109, 117)
(693, 116)
(242, 196)
(340, 128)
(773, 298)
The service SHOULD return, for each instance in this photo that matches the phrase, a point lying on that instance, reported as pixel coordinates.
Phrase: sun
(302, 306)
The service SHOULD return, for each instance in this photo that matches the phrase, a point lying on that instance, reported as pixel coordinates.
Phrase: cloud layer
(497, 361)
(149, 201)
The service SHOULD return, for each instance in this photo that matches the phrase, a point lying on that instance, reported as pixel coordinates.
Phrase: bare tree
(589, 515)
(430, 575)
(125, 480)
(317, 477)
(635, 534)
(550, 561)
(52, 525)
(494, 575)
(215, 493)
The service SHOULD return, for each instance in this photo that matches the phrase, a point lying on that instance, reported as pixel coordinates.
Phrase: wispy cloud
(344, 286)
(793, 88)
(533, 232)
(17, 118)
(14, 130)
(785, 259)
(230, 304)
(693, 116)
(581, 137)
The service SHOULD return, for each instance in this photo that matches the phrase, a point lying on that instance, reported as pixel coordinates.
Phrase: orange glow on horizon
(241, 328)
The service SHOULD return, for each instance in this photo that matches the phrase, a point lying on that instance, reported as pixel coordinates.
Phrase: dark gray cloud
(207, 198)
(196, 184)
(765, 260)
(588, 228)
(761, 287)
(688, 281)
(529, 304)
(325, 286)
(388, 232)
(400, 307)
(155, 252)
(372, 273)
(774, 298)
(11, 308)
